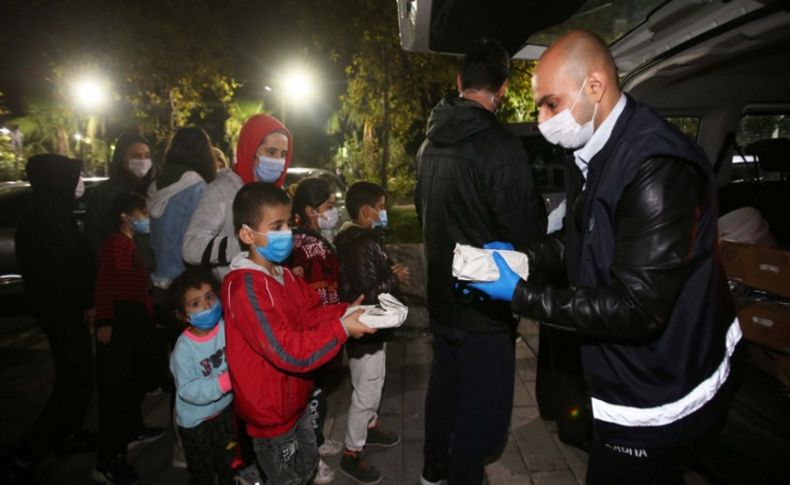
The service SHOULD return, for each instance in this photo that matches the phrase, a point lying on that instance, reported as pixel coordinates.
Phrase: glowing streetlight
(298, 84)
(90, 93)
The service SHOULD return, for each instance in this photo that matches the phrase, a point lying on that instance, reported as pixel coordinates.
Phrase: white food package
(389, 313)
(475, 264)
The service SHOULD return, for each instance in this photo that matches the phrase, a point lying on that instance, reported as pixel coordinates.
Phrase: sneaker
(144, 436)
(432, 475)
(356, 465)
(330, 448)
(116, 472)
(324, 474)
(377, 436)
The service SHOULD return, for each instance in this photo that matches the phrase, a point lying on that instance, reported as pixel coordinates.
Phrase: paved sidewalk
(533, 454)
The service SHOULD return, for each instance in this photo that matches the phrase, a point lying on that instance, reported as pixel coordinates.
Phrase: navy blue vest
(669, 390)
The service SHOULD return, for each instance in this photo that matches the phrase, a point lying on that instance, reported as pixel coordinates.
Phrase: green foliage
(390, 94)
(160, 70)
(404, 228)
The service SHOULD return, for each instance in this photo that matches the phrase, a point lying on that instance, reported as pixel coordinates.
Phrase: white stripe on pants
(368, 369)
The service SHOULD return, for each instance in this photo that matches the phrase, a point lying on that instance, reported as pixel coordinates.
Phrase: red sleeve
(265, 326)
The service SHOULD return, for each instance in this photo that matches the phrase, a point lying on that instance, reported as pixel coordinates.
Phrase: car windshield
(610, 19)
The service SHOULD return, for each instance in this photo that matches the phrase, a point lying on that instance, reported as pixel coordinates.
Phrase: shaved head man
(578, 69)
(647, 298)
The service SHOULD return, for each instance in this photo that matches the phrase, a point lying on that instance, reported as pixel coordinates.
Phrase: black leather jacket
(365, 269)
(473, 186)
(654, 227)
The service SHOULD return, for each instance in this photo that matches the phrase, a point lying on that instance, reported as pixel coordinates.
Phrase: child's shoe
(330, 448)
(356, 465)
(324, 475)
(377, 436)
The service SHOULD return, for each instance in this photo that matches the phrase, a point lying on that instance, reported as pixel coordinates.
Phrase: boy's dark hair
(190, 147)
(361, 194)
(250, 201)
(126, 203)
(193, 277)
(310, 192)
(486, 65)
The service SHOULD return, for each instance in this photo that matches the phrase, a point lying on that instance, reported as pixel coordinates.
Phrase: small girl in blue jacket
(203, 389)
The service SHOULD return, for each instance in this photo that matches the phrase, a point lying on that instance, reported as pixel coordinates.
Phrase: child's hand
(103, 335)
(298, 271)
(354, 327)
(402, 272)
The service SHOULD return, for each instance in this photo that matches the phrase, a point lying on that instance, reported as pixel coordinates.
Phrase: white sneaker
(330, 448)
(324, 474)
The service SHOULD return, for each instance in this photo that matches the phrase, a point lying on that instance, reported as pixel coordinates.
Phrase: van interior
(720, 71)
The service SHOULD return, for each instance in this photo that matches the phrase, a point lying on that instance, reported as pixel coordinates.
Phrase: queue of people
(199, 259)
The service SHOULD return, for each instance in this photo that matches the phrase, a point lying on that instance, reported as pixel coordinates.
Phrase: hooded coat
(210, 239)
(98, 221)
(51, 253)
(474, 186)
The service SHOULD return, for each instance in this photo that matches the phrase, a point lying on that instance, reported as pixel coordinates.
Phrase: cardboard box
(757, 266)
(766, 324)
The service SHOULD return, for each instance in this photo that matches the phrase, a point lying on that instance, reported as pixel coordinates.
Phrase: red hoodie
(274, 335)
(252, 134)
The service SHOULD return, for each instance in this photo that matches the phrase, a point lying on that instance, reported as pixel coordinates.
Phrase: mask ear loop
(576, 98)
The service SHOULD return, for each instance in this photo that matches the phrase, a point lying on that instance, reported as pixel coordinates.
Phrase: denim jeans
(292, 457)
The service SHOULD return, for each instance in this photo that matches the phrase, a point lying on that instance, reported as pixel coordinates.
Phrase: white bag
(475, 264)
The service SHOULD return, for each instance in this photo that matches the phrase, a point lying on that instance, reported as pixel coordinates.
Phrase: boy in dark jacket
(276, 332)
(367, 269)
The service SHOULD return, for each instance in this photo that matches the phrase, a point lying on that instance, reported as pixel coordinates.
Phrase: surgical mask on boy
(278, 247)
(79, 190)
(206, 319)
(140, 166)
(141, 226)
(563, 129)
(269, 169)
(382, 222)
(328, 219)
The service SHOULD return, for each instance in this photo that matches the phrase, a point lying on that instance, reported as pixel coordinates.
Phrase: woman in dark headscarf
(58, 273)
(131, 171)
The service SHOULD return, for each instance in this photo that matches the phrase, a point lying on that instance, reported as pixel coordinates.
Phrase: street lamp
(90, 93)
(294, 88)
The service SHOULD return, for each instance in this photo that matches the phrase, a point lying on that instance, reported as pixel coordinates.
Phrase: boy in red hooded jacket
(277, 331)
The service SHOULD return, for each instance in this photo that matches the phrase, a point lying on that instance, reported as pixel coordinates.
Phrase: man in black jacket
(473, 184)
(649, 297)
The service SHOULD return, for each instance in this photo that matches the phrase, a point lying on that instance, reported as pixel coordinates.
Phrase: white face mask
(328, 219)
(79, 190)
(563, 129)
(140, 166)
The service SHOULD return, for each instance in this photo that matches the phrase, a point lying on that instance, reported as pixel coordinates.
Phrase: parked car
(296, 174)
(14, 200)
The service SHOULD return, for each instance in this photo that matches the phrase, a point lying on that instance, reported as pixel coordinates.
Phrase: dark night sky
(263, 36)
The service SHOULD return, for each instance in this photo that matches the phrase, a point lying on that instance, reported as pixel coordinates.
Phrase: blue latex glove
(503, 288)
(498, 245)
